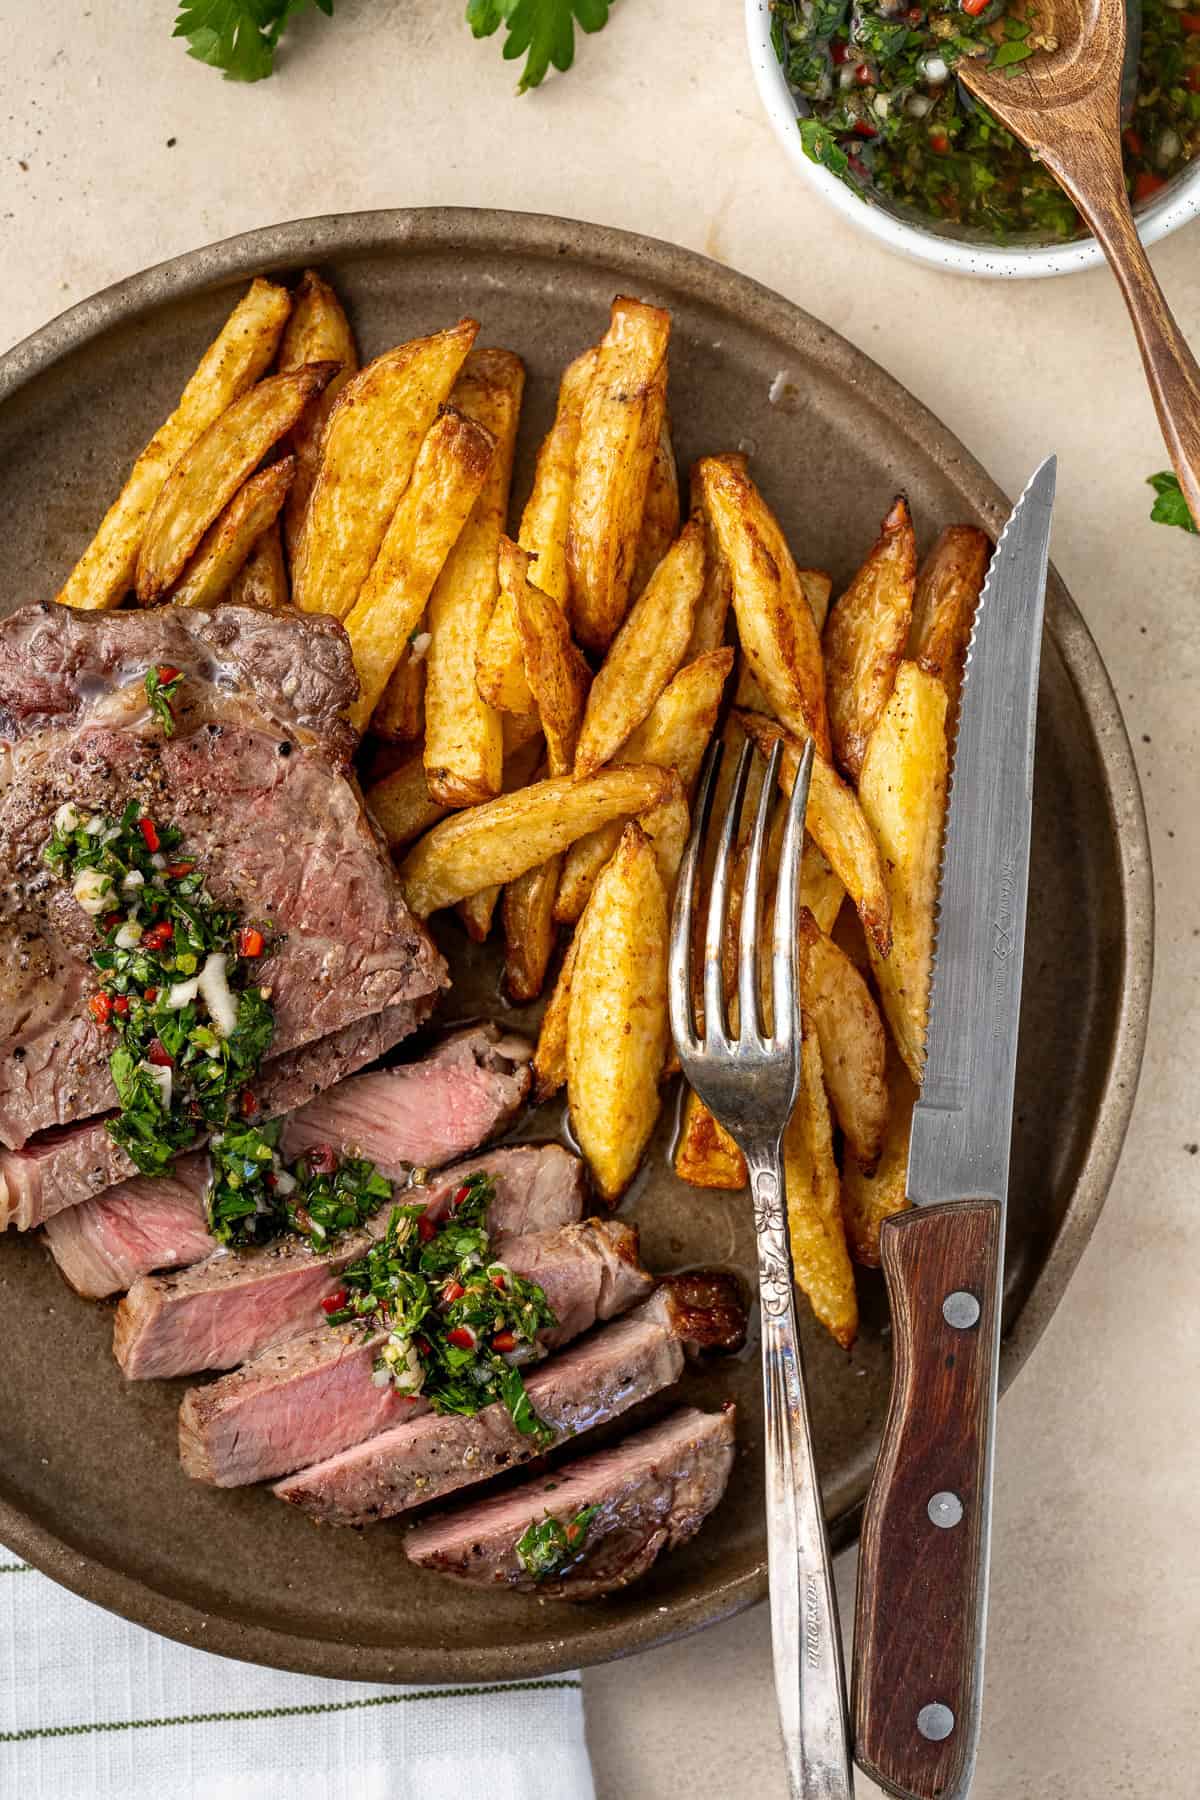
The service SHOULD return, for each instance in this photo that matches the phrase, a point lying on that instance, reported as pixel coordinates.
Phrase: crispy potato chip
(210, 472)
(865, 635)
(617, 1030)
(399, 716)
(557, 674)
(368, 453)
(820, 1260)
(464, 750)
(501, 839)
(648, 650)
(853, 1041)
(401, 803)
(869, 1199)
(318, 331)
(262, 579)
(233, 362)
(774, 619)
(948, 590)
(232, 536)
(529, 933)
(837, 822)
(716, 596)
(446, 481)
(612, 469)
(817, 586)
(705, 1155)
(550, 1056)
(660, 515)
(902, 789)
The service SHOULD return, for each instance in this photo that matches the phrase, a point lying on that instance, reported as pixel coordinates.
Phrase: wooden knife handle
(922, 1574)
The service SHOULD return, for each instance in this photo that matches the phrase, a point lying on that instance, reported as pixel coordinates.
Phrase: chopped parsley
(1170, 505)
(547, 1547)
(254, 1196)
(459, 1320)
(162, 684)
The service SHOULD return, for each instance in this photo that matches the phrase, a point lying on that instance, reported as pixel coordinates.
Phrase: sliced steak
(597, 1379)
(62, 1167)
(308, 1399)
(256, 778)
(237, 1304)
(652, 1492)
(152, 1222)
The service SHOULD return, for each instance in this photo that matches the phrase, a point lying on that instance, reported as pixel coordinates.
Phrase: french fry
(233, 362)
(446, 481)
(557, 674)
(820, 889)
(476, 910)
(666, 825)
(317, 331)
(464, 749)
(612, 469)
(501, 839)
(817, 586)
(213, 468)
(262, 579)
(500, 667)
(865, 635)
(948, 589)
(902, 790)
(550, 1055)
(528, 915)
(228, 542)
(660, 515)
(820, 1259)
(519, 730)
(853, 1041)
(705, 1155)
(840, 828)
(401, 803)
(399, 716)
(712, 610)
(646, 653)
(369, 450)
(774, 619)
(869, 1199)
(617, 1031)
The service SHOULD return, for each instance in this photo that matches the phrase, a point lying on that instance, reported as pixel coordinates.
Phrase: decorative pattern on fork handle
(770, 1222)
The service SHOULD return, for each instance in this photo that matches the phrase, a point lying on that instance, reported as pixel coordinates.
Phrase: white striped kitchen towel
(93, 1708)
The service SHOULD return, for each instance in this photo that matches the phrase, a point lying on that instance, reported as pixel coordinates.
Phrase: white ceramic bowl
(1177, 202)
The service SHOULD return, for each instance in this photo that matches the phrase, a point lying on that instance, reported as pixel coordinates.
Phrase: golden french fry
(820, 1259)
(318, 331)
(853, 1041)
(948, 589)
(399, 716)
(817, 586)
(666, 825)
(369, 450)
(464, 751)
(712, 610)
(646, 653)
(446, 481)
(550, 1056)
(705, 1155)
(229, 540)
(660, 515)
(213, 468)
(865, 635)
(233, 362)
(612, 469)
(519, 730)
(902, 789)
(774, 619)
(476, 910)
(501, 839)
(820, 889)
(557, 674)
(401, 803)
(528, 915)
(838, 823)
(869, 1199)
(617, 1031)
(262, 579)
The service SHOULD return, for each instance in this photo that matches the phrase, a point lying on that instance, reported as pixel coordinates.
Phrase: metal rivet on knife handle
(945, 1510)
(935, 1722)
(961, 1310)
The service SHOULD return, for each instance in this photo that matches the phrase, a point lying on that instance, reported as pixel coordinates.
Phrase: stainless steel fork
(750, 1083)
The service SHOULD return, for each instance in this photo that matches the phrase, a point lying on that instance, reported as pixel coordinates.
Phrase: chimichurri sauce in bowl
(883, 109)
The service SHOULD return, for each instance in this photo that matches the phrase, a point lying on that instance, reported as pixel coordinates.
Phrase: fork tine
(749, 1008)
(679, 969)
(785, 953)
(715, 1024)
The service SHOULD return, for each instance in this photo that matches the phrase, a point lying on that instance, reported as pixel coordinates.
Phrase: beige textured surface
(1094, 1665)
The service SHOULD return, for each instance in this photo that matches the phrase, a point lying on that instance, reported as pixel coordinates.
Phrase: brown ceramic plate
(90, 1488)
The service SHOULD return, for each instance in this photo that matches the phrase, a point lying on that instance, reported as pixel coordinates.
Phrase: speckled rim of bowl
(1178, 203)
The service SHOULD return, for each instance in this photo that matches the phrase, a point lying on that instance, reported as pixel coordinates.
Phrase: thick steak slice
(596, 1380)
(652, 1492)
(232, 1307)
(60, 1168)
(308, 1399)
(152, 1222)
(255, 776)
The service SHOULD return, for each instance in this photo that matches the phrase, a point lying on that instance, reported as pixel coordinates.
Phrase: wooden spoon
(1065, 106)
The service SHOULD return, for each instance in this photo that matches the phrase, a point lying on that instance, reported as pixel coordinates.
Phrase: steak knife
(923, 1564)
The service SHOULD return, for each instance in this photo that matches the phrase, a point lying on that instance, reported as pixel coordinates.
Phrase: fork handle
(805, 1639)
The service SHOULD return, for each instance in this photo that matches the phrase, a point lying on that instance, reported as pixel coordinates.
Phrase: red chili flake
(1146, 183)
(1193, 78)
(121, 1004)
(914, 15)
(158, 936)
(863, 129)
(504, 1340)
(249, 1103)
(973, 8)
(1190, 21)
(453, 1290)
(1132, 141)
(840, 53)
(460, 1195)
(157, 1054)
(334, 1302)
(149, 831)
(859, 168)
(499, 1281)
(250, 942)
(462, 1337)
(151, 994)
(178, 870)
(410, 1399)
(862, 74)
(166, 672)
(573, 1532)
(100, 1006)
(424, 1347)
(322, 1159)
(939, 143)
(111, 920)
(426, 1228)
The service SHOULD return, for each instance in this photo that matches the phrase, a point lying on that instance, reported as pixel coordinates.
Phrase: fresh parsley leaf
(1170, 508)
(238, 36)
(161, 688)
(820, 146)
(542, 31)
(548, 1547)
